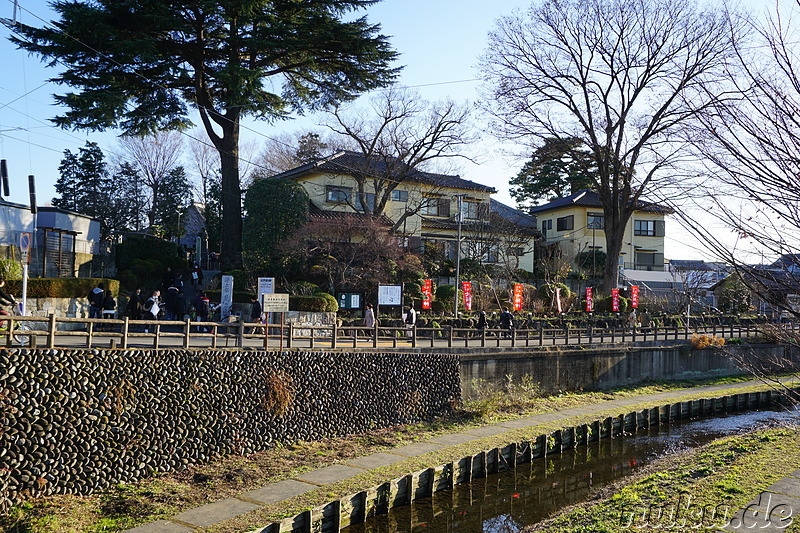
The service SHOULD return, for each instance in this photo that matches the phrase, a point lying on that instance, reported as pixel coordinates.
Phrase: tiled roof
(590, 198)
(512, 215)
(346, 162)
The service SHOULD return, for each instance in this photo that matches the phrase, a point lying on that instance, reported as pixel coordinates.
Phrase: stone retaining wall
(75, 421)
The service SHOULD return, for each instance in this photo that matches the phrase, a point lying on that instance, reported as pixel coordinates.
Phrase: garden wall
(75, 421)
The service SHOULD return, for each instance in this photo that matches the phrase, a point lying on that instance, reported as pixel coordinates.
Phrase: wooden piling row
(361, 506)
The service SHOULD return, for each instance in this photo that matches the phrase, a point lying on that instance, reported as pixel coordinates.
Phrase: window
(436, 206)
(565, 223)
(399, 196)
(337, 195)
(595, 221)
(470, 210)
(492, 254)
(648, 228)
(370, 197)
(516, 251)
(547, 224)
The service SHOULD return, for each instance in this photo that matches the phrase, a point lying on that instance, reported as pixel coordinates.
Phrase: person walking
(481, 325)
(507, 320)
(410, 319)
(255, 312)
(369, 317)
(96, 299)
(202, 308)
(135, 306)
(197, 276)
(152, 308)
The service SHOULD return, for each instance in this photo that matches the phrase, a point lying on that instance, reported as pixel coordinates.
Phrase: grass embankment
(165, 495)
(699, 490)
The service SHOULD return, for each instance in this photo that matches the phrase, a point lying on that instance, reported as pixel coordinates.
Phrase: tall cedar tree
(140, 66)
(85, 186)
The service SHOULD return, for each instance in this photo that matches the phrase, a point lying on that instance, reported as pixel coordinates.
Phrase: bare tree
(624, 76)
(153, 158)
(402, 136)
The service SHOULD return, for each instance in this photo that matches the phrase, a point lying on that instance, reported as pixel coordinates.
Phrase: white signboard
(265, 286)
(355, 301)
(275, 303)
(226, 300)
(390, 294)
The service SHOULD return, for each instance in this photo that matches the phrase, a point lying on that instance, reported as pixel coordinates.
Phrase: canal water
(526, 495)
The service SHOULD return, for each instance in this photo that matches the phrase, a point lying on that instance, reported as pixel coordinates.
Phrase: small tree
(275, 210)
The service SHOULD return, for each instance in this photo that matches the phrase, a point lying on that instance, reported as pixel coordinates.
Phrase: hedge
(60, 287)
(320, 302)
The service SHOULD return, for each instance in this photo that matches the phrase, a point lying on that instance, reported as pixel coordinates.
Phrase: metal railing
(123, 333)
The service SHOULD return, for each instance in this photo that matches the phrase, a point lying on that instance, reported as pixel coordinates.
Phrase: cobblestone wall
(75, 421)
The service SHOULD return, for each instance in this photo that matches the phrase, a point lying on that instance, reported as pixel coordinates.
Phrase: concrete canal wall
(608, 367)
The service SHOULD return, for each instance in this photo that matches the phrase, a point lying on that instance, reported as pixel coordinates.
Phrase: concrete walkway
(773, 510)
(220, 511)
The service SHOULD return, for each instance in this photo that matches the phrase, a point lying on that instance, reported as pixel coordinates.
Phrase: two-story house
(421, 207)
(576, 224)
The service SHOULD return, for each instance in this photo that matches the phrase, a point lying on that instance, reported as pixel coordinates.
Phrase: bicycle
(15, 326)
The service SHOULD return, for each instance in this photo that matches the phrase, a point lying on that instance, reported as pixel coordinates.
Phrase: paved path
(217, 512)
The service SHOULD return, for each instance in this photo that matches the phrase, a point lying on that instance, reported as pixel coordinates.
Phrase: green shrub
(547, 290)
(604, 305)
(10, 269)
(315, 303)
(303, 288)
(61, 287)
(332, 305)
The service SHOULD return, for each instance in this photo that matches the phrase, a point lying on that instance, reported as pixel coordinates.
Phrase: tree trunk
(231, 250)
(615, 235)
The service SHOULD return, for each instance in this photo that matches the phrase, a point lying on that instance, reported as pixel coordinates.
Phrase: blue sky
(439, 42)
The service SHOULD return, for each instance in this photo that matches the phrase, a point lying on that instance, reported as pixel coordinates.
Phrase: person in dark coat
(202, 308)
(135, 307)
(96, 299)
(181, 306)
(507, 320)
(170, 300)
(481, 325)
(255, 311)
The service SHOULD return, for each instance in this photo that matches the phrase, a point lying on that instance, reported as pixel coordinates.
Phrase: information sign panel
(349, 300)
(390, 294)
(275, 303)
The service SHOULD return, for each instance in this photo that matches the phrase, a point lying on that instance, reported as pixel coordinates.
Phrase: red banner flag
(466, 289)
(589, 300)
(615, 300)
(634, 296)
(427, 293)
(518, 296)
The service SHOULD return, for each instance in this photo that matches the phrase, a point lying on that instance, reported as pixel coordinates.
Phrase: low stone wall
(75, 421)
(595, 368)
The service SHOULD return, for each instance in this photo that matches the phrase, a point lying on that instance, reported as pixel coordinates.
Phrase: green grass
(723, 476)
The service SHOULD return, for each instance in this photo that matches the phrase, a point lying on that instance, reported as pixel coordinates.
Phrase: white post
(24, 310)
